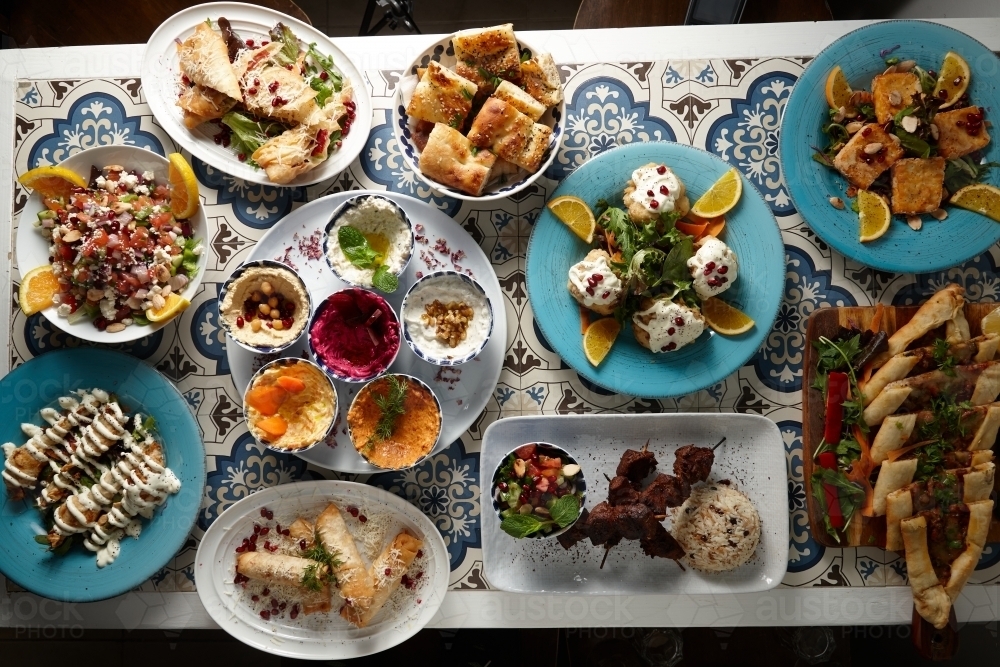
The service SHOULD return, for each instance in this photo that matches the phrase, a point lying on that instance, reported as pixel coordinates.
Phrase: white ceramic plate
(752, 458)
(443, 52)
(33, 248)
(320, 636)
(463, 391)
(161, 77)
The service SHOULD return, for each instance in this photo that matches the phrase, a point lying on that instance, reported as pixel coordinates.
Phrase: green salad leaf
(289, 52)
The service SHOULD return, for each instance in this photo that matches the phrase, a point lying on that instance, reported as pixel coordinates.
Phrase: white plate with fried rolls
(197, 68)
(479, 114)
(322, 570)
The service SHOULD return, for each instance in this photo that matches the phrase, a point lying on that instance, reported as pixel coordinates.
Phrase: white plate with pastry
(226, 84)
(479, 114)
(322, 570)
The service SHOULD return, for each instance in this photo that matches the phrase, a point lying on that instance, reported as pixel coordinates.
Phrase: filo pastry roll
(278, 569)
(353, 579)
(387, 572)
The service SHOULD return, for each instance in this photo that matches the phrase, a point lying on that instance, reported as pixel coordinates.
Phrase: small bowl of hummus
(395, 421)
(354, 335)
(264, 306)
(290, 405)
(447, 318)
(369, 242)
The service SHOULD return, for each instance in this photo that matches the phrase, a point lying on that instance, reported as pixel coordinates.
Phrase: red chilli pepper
(837, 388)
(828, 460)
(833, 506)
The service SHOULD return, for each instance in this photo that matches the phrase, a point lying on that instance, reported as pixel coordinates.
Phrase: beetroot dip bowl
(354, 335)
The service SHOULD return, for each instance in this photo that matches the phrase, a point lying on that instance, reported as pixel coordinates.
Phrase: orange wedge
(38, 286)
(184, 199)
(725, 319)
(599, 338)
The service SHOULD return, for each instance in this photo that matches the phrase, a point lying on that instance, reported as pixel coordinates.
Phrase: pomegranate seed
(323, 75)
(671, 346)
(249, 43)
(266, 591)
(590, 291)
(252, 547)
(240, 322)
(724, 279)
(265, 614)
(649, 193)
(671, 331)
(302, 545)
(263, 512)
(661, 169)
(294, 613)
(598, 278)
(269, 325)
(265, 43)
(253, 539)
(420, 553)
(710, 265)
(287, 322)
(419, 575)
(679, 321)
(388, 572)
(270, 515)
(723, 269)
(957, 80)
(274, 605)
(277, 528)
(288, 66)
(265, 530)
(943, 94)
(255, 598)
(707, 271)
(865, 132)
(282, 606)
(363, 519)
(502, 486)
(606, 295)
(289, 307)
(240, 549)
(286, 532)
(272, 87)
(664, 190)
(256, 529)
(654, 204)
(713, 282)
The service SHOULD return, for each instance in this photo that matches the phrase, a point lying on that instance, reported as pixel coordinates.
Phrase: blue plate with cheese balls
(751, 231)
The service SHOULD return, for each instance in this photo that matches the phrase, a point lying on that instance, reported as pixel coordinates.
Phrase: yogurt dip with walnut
(447, 318)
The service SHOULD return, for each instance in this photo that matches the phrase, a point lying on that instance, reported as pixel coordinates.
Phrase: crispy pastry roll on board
(387, 572)
(353, 579)
(938, 310)
(277, 569)
(923, 360)
(942, 550)
(978, 383)
(978, 432)
(967, 485)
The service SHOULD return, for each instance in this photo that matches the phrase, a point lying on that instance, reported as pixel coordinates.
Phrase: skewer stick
(607, 550)
(606, 477)
(719, 443)
(680, 565)
(646, 446)
(659, 517)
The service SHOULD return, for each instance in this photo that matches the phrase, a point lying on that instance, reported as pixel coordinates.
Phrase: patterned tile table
(732, 107)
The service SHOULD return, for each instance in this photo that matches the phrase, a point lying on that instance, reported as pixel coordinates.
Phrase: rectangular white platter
(752, 459)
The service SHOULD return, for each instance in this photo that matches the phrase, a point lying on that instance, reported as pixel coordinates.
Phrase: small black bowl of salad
(538, 491)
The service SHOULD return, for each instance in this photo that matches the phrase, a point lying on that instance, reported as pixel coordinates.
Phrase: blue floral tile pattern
(748, 137)
(730, 107)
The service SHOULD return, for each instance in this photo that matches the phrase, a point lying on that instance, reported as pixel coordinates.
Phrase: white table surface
(783, 606)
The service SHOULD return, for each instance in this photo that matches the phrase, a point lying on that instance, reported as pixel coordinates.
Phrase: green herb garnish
(391, 405)
(850, 496)
(943, 358)
(356, 247)
(384, 280)
(466, 93)
(321, 571)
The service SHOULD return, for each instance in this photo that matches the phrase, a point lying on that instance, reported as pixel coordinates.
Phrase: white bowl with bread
(479, 115)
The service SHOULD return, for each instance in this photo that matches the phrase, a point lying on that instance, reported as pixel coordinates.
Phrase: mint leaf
(565, 510)
(384, 281)
(356, 247)
(521, 525)
(139, 319)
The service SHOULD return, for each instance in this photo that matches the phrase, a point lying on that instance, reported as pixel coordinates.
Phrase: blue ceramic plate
(939, 245)
(75, 577)
(629, 368)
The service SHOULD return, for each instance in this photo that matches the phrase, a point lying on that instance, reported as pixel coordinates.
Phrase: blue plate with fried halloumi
(913, 180)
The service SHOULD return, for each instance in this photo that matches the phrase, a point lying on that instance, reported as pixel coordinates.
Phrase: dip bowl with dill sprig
(394, 421)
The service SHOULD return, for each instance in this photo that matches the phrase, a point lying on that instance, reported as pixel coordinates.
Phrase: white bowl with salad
(126, 256)
(246, 115)
(538, 491)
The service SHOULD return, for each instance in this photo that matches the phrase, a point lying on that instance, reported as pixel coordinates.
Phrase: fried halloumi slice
(442, 96)
(510, 134)
(520, 100)
(201, 104)
(451, 159)
(204, 58)
(954, 139)
(494, 49)
(885, 87)
(295, 151)
(857, 166)
(541, 79)
(917, 185)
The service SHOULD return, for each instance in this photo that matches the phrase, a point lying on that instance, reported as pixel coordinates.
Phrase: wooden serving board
(826, 322)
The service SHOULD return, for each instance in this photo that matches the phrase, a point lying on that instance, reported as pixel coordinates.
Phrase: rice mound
(718, 527)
